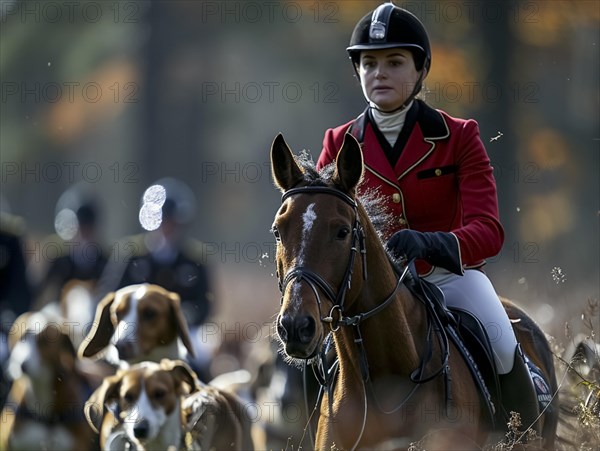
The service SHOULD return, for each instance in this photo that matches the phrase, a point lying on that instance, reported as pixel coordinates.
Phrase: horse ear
(284, 168)
(349, 164)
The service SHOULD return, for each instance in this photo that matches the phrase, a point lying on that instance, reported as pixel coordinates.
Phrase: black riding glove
(437, 248)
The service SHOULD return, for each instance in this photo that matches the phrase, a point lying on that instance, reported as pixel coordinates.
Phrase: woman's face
(387, 76)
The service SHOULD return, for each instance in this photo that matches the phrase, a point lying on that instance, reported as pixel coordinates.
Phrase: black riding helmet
(389, 26)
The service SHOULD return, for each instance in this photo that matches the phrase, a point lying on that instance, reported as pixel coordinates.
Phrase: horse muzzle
(299, 335)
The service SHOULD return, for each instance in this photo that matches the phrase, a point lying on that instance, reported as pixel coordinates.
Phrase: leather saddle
(469, 337)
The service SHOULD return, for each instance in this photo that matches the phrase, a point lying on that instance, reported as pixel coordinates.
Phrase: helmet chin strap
(413, 94)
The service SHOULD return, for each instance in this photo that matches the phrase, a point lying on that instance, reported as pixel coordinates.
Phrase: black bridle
(336, 317)
(300, 273)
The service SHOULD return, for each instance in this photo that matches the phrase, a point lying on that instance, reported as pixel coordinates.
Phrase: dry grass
(579, 426)
(578, 372)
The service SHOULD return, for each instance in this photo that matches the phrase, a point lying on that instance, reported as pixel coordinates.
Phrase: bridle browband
(320, 189)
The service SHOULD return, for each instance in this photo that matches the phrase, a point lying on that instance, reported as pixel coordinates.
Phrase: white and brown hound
(44, 408)
(138, 323)
(164, 406)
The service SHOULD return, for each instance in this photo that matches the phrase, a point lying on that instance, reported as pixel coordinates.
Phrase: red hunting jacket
(442, 181)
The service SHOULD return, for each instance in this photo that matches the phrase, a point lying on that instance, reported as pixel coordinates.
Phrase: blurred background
(110, 96)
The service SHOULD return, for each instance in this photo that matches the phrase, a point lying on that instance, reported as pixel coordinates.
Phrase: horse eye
(275, 233)
(343, 233)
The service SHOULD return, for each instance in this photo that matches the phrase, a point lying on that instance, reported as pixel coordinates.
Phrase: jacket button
(402, 221)
(438, 172)
(396, 198)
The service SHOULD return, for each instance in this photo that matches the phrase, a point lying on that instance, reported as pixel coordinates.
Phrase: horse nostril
(296, 329)
(306, 329)
(283, 325)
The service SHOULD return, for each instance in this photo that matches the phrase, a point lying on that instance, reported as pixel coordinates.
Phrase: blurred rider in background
(80, 255)
(165, 256)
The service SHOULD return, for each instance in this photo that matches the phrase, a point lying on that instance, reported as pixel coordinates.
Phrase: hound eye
(159, 394)
(128, 398)
(148, 314)
(41, 341)
(343, 233)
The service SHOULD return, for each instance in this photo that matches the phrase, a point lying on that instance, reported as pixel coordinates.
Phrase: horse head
(318, 234)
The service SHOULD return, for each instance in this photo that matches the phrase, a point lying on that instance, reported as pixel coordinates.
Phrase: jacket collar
(430, 127)
(432, 122)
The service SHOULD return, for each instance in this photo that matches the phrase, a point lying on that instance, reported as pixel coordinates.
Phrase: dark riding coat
(442, 181)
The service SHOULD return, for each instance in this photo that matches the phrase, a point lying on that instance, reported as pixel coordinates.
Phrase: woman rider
(435, 175)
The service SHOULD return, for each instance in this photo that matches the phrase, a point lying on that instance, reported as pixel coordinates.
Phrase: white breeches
(474, 293)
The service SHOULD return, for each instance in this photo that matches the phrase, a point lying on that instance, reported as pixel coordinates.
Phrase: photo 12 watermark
(70, 12)
(486, 92)
(268, 92)
(69, 172)
(49, 251)
(470, 11)
(68, 91)
(528, 172)
(234, 171)
(269, 12)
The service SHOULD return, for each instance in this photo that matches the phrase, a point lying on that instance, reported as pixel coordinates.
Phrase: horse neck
(392, 337)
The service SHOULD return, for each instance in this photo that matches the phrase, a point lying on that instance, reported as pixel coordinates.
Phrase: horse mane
(371, 200)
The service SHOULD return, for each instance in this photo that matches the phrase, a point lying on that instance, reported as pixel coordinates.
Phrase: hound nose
(26, 367)
(296, 329)
(141, 429)
(125, 349)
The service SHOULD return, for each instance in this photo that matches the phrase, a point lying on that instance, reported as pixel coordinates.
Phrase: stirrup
(542, 389)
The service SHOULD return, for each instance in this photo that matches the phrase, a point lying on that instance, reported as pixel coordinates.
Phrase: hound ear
(102, 329)
(182, 326)
(96, 406)
(349, 165)
(183, 374)
(67, 356)
(18, 329)
(284, 168)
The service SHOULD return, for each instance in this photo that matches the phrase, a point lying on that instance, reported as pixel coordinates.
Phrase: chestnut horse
(398, 381)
